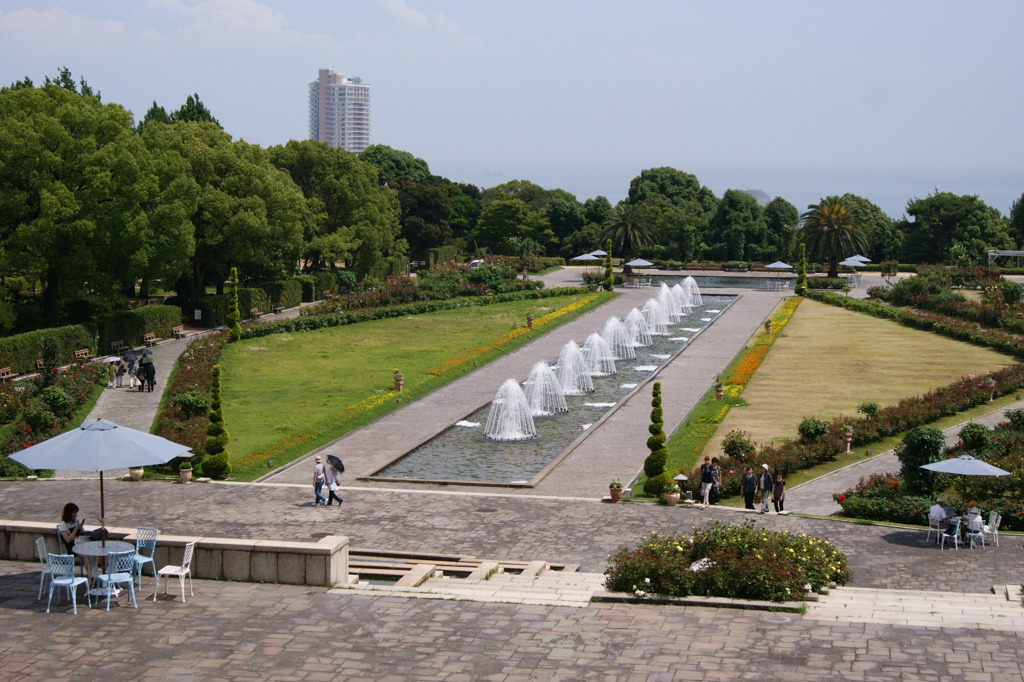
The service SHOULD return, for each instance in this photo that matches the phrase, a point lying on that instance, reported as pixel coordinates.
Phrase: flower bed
(724, 560)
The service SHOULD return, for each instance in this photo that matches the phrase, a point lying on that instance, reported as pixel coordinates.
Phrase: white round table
(99, 548)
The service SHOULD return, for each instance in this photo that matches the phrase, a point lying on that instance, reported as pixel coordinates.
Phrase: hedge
(20, 352)
(286, 293)
(131, 325)
(308, 285)
(308, 322)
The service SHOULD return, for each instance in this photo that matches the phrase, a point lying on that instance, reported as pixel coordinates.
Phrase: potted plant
(185, 471)
(669, 490)
(135, 473)
(719, 389)
(615, 490)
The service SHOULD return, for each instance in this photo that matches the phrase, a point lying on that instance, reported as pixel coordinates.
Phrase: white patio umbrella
(99, 445)
(599, 252)
(851, 263)
(965, 465)
(780, 266)
(862, 259)
(639, 263)
(589, 257)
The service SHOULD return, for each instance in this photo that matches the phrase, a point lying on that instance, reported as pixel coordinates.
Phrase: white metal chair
(44, 570)
(145, 547)
(180, 571)
(120, 571)
(62, 574)
(934, 526)
(991, 528)
(976, 530)
(953, 534)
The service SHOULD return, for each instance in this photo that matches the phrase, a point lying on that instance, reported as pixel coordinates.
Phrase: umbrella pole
(103, 524)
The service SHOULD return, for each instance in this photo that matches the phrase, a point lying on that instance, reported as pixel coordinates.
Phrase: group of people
(772, 488)
(325, 475)
(141, 375)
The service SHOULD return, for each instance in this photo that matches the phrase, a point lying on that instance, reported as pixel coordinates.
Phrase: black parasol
(336, 462)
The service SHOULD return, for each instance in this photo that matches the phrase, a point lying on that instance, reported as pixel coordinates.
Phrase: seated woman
(70, 528)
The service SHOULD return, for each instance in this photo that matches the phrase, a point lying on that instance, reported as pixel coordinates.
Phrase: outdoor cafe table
(99, 548)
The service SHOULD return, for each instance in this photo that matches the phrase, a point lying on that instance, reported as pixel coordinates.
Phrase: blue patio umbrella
(97, 446)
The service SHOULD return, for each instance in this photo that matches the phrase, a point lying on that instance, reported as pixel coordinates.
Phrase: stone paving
(246, 631)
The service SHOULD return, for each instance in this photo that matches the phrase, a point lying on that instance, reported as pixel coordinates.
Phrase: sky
(888, 99)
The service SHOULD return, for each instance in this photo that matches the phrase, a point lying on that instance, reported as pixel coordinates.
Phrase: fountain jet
(619, 339)
(573, 373)
(544, 392)
(600, 360)
(509, 417)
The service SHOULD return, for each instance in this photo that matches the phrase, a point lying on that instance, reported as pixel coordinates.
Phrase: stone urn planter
(615, 494)
(719, 391)
(671, 499)
(135, 473)
(186, 474)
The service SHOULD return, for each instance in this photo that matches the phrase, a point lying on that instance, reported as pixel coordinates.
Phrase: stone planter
(186, 475)
(671, 499)
(616, 494)
(719, 392)
(135, 473)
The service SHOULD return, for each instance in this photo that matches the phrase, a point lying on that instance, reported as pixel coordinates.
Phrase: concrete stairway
(999, 611)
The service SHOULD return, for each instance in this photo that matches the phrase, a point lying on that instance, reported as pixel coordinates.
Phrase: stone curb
(694, 600)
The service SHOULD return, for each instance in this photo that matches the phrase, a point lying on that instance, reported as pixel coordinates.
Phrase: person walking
(121, 371)
(332, 486)
(766, 485)
(707, 479)
(748, 486)
(319, 476)
(779, 493)
(716, 482)
(150, 376)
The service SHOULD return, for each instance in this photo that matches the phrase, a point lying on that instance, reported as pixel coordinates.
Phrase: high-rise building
(339, 111)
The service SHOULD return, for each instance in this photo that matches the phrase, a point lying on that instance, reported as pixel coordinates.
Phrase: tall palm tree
(630, 227)
(830, 233)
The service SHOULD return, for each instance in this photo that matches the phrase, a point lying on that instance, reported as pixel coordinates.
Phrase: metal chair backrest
(976, 524)
(62, 566)
(121, 562)
(186, 560)
(145, 539)
(41, 550)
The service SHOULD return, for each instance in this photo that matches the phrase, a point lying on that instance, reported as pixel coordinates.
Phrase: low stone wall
(271, 561)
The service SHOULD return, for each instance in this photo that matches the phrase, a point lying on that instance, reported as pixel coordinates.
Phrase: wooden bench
(178, 332)
(254, 312)
(117, 347)
(82, 355)
(6, 374)
(328, 295)
(149, 338)
(276, 308)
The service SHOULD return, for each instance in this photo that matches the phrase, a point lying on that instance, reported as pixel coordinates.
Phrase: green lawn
(286, 394)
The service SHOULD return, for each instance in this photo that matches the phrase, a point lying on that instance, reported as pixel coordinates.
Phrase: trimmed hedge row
(286, 293)
(20, 352)
(131, 325)
(308, 322)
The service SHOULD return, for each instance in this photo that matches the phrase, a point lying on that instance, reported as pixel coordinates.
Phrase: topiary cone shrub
(654, 465)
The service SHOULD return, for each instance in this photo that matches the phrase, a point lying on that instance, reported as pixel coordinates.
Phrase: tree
(73, 184)
(609, 278)
(830, 233)
(780, 221)
(654, 464)
(680, 207)
(156, 113)
(943, 219)
(194, 111)
(1016, 224)
(738, 230)
(234, 314)
(348, 207)
(248, 212)
(884, 240)
(629, 228)
(801, 271)
(393, 163)
(921, 445)
(507, 218)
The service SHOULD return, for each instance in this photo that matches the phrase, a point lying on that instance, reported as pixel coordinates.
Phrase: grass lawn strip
(829, 360)
(287, 394)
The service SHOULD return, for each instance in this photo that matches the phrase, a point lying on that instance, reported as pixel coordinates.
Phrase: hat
(939, 500)
(318, 458)
(765, 467)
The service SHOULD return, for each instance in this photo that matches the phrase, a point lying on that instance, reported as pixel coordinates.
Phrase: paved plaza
(894, 623)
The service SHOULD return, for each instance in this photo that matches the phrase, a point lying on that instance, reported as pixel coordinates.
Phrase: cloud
(442, 25)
